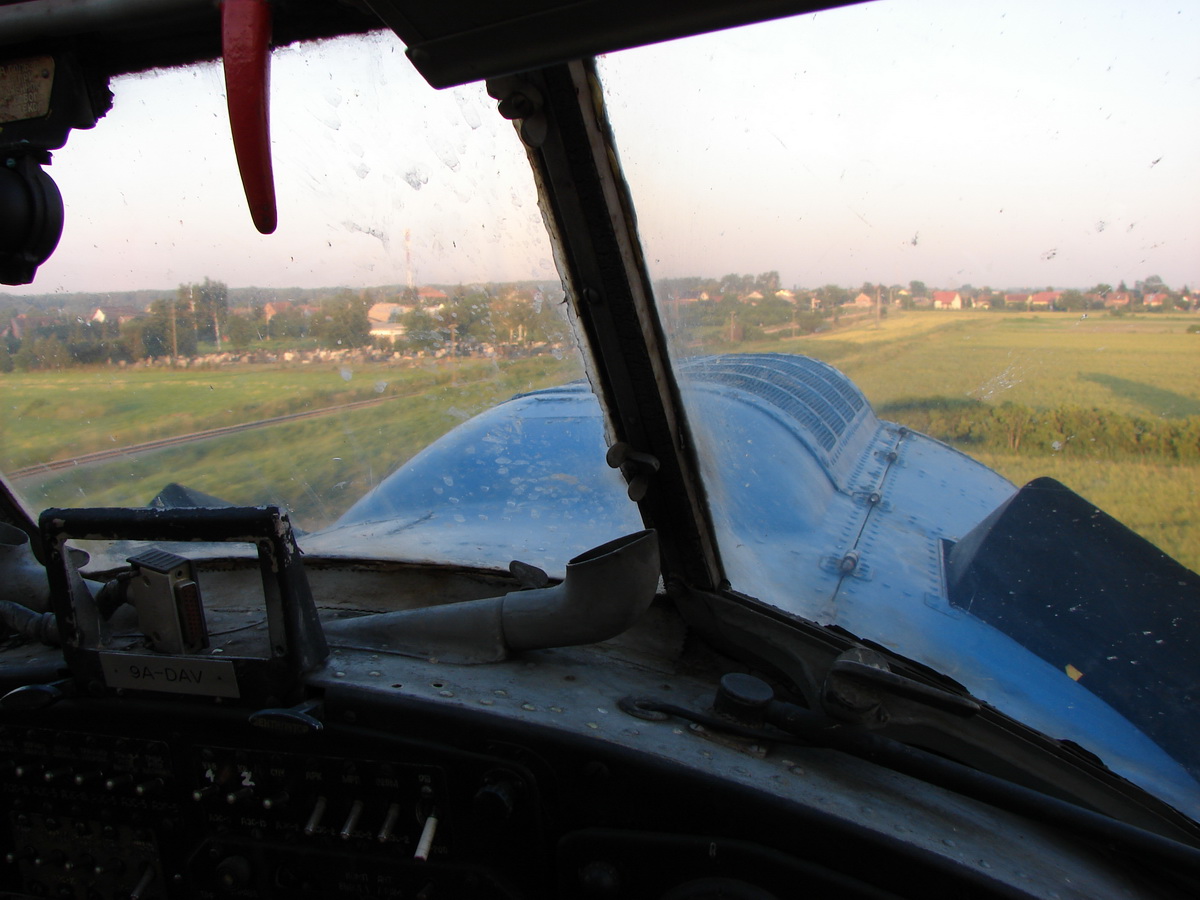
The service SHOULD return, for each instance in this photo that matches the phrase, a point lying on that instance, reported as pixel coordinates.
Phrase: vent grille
(817, 396)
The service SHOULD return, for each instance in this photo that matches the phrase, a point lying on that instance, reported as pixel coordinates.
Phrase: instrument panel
(127, 814)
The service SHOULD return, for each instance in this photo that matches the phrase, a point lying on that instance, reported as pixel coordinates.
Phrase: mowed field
(314, 467)
(1145, 366)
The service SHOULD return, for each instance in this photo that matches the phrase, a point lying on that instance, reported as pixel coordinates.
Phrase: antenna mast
(408, 256)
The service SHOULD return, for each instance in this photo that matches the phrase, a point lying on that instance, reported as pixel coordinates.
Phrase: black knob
(234, 873)
(743, 698)
(241, 795)
(150, 788)
(117, 782)
(497, 796)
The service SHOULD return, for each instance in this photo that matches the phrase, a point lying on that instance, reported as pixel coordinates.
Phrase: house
(785, 294)
(1044, 299)
(389, 331)
(271, 310)
(383, 312)
(1013, 301)
(118, 314)
(947, 300)
(1156, 301)
(22, 326)
(1117, 300)
(863, 301)
(431, 296)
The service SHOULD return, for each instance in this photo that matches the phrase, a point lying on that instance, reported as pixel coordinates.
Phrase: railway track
(162, 443)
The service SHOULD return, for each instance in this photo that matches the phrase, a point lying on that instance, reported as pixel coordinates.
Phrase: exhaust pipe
(604, 592)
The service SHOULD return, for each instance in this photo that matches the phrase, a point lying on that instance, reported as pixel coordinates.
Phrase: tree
(169, 329)
(210, 304)
(287, 323)
(43, 353)
(343, 323)
(421, 331)
(240, 331)
(467, 317)
(1073, 300)
(832, 296)
(767, 282)
(918, 288)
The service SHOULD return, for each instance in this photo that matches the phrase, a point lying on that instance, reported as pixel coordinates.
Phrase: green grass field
(314, 467)
(1145, 366)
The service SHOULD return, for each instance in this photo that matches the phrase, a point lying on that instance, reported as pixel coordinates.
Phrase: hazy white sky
(1007, 144)
(1021, 144)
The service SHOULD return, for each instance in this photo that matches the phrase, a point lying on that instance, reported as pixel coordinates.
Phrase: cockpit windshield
(862, 227)
(169, 354)
(977, 214)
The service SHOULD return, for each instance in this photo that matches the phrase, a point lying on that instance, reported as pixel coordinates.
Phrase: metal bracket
(860, 681)
(521, 101)
(637, 467)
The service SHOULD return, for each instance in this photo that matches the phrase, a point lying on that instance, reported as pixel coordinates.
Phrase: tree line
(1013, 428)
(199, 319)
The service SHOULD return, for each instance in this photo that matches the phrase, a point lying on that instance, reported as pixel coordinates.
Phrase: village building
(430, 296)
(385, 312)
(389, 331)
(274, 308)
(118, 314)
(1044, 299)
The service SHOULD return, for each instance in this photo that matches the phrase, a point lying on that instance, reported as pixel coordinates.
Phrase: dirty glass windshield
(168, 354)
(975, 222)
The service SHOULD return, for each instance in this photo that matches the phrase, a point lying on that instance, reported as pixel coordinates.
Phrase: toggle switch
(425, 844)
(314, 818)
(356, 809)
(389, 823)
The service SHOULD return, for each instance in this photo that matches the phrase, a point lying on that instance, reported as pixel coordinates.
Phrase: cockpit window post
(591, 218)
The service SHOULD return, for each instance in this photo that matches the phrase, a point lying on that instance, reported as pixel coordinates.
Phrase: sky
(1011, 145)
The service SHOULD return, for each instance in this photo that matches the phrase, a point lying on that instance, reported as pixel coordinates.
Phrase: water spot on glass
(444, 152)
(345, 372)
(416, 177)
(380, 387)
(469, 113)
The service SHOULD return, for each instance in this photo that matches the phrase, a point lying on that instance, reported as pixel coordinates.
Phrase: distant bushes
(1068, 430)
